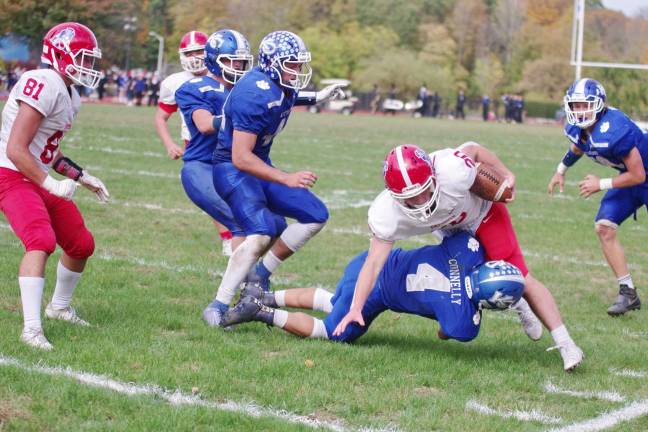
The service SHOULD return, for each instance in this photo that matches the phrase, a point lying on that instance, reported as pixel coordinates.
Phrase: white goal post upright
(577, 45)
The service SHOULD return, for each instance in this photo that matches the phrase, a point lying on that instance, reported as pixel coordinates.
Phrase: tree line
(482, 46)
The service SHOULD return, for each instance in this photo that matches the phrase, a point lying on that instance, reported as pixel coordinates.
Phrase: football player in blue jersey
(610, 138)
(201, 99)
(449, 283)
(259, 194)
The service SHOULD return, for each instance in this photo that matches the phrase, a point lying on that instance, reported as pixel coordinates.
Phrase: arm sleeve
(456, 173)
(248, 112)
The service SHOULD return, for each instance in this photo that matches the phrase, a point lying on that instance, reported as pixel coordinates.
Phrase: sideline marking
(533, 415)
(603, 395)
(177, 398)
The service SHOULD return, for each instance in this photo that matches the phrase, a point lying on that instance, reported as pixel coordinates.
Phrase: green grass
(155, 269)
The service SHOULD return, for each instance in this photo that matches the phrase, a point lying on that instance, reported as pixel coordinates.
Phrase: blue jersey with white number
(432, 282)
(205, 93)
(257, 105)
(611, 139)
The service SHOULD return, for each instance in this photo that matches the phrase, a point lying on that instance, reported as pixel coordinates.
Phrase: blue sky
(628, 7)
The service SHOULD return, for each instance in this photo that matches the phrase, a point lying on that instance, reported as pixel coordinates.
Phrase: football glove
(333, 91)
(95, 185)
(63, 188)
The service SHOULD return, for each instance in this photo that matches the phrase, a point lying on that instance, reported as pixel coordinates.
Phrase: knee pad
(256, 244)
(297, 234)
(83, 246)
(39, 237)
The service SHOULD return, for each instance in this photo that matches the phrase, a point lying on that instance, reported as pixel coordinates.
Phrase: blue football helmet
(496, 285)
(588, 91)
(225, 47)
(279, 48)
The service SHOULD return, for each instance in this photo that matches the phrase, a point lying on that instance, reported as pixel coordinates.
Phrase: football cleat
(254, 289)
(530, 323)
(572, 355)
(68, 314)
(35, 338)
(254, 277)
(246, 310)
(213, 316)
(626, 301)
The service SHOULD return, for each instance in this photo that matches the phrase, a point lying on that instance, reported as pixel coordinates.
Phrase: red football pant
(498, 237)
(42, 220)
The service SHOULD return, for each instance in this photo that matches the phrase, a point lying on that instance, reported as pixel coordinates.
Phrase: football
(490, 184)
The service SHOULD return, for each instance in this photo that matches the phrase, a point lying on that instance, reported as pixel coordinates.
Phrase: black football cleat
(626, 301)
(254, 289)
(248, 309)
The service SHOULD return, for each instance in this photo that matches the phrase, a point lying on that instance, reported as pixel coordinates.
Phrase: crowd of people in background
(139, 87)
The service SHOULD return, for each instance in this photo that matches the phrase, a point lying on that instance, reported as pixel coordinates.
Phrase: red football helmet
(71, 49)
(193, 41)
(408, 173)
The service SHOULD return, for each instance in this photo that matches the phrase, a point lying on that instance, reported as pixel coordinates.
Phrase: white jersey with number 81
(45, 91)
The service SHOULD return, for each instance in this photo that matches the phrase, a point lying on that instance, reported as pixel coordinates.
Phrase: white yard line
(603, 395)
(533, 415)
(608, 419)
(175, 398)
(628, 373)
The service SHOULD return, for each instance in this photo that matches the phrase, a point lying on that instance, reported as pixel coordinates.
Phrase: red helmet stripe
(402, 166)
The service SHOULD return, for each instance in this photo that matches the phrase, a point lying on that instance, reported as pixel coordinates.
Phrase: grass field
(157, 264)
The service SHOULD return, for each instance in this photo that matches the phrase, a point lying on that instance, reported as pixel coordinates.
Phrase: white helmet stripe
(192, 38)
(239, 39)
(579, 88)
(402, 166)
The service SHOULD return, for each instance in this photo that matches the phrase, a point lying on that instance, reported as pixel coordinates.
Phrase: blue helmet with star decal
(496, 285)
(227, 54)
(590, 96)
(279, 48)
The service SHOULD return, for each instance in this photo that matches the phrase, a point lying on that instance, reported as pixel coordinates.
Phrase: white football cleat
(572, 355)
(530, 322)
(227, 247)
(35, 338)
(68, 314)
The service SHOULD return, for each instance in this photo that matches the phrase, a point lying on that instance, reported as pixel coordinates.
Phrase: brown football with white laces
(490, 184)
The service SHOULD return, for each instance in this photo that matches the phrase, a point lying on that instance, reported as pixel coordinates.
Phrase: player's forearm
(481, 154)
(628, 179)
(26, 164)
(162, 128)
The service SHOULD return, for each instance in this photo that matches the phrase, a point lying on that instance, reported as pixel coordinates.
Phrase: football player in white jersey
(436, 193)
(192, 60)
(39, 111)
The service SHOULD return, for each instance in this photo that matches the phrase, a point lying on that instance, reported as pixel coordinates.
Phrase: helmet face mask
(409, 177)
(192, 52)
(227, 54)
(279, 55)
(496, 285)
(72, 50)
(583, 102)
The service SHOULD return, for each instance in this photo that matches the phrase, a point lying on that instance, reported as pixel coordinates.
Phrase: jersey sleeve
(455, 170)
(626, 137)
(167, 101)
(381, 221)
(37, 91)
(572, 133)
(189, 99)
(248, 112)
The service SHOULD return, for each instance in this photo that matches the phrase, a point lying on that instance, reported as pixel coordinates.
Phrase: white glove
(95, 185)
(333, 91)
(63, 188)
